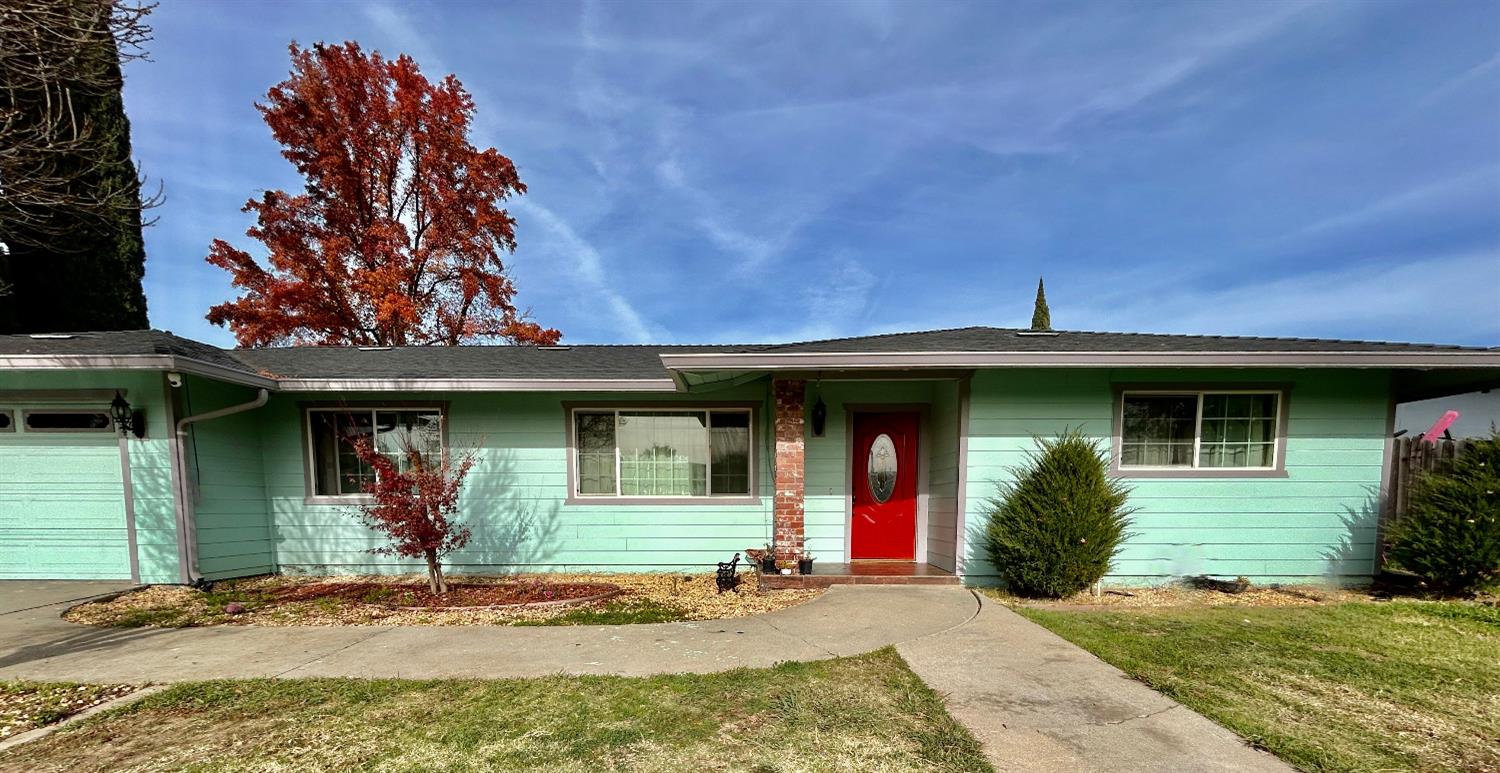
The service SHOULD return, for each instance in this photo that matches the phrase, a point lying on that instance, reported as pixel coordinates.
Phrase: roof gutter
(187, 524)
(135, 362)
(476, 385)
(872, 360)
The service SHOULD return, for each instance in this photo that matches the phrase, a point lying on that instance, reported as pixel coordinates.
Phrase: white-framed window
(636, 453)
(67, 420)
(335, 470)
(1211, 430)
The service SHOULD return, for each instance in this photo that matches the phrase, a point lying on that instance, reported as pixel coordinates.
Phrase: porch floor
(863, 573)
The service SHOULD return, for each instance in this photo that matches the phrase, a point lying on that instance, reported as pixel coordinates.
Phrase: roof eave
(873, 360)
(161, 362)
(476, 385)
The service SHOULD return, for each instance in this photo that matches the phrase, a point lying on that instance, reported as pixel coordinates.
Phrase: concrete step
(785, 581)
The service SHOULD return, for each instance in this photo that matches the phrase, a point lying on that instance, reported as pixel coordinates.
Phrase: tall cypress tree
(80, 267)
(1041, 317)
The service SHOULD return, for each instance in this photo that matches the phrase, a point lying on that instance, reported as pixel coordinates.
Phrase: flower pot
(804, 566)
(768, 565)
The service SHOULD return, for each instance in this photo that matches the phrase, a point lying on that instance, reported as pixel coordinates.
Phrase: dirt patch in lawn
(29, 705)
(512, 600)
(1177, 595)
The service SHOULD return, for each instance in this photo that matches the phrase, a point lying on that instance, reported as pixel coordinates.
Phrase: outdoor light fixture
(127, 420)
(819, 417)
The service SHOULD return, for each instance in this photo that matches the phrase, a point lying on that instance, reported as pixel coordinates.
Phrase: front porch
(863, 573)
(867, 473)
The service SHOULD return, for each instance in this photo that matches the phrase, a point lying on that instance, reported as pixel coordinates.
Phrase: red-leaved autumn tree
(398, 236)
(415, 507)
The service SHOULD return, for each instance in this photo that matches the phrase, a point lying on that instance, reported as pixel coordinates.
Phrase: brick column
(790, 398)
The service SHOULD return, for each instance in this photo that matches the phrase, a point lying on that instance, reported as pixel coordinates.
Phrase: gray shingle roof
(642, 361)
(460, 362)
(996, 339)
(120, 342)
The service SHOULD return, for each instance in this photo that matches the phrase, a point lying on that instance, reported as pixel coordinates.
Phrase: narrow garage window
(67, 421)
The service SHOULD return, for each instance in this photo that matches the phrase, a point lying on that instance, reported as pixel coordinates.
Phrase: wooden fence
(1410, 458)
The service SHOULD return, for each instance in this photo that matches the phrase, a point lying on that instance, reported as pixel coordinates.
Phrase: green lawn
(867, 713)
(1349, 687)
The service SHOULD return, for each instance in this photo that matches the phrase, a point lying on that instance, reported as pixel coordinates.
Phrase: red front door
(885, 487)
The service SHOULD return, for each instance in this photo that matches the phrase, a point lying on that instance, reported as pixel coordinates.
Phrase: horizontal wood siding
(515, 498)
(62, 508)
(1318, 522)
(228, 482)
(942, 486)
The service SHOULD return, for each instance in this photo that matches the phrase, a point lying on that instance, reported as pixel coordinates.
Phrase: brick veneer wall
(790, 395)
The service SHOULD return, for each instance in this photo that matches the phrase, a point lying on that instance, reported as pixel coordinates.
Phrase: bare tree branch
(54, 53)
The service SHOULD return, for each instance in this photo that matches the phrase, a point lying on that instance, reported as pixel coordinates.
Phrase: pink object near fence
(1440, 426)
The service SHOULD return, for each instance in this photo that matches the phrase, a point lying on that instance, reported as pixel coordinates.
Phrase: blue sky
(727, 172)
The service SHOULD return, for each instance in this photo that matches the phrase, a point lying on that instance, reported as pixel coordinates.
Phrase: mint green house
(1247, 456)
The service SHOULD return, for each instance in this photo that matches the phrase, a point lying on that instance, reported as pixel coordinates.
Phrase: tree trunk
(436, 582)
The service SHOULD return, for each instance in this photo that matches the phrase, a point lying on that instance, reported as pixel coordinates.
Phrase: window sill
(344, 499)
(662, 501)
(1198, 472)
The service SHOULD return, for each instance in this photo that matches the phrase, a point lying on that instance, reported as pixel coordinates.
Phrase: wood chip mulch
(459, 595)
(374, 600)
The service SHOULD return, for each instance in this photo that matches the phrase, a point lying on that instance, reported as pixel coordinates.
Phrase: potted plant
(804, 563)
(764, 559)
(768, 560)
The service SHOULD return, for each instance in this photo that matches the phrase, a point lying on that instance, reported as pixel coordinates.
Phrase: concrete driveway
(21, 595)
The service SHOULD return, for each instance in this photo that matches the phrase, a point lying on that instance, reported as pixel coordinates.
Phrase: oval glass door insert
(882, 468)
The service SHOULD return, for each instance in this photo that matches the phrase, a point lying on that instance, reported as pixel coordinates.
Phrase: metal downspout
(189, 523)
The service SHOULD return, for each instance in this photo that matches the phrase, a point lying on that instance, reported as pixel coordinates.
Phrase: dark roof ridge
(1301, 339)
(1195, 336)
(890, 335)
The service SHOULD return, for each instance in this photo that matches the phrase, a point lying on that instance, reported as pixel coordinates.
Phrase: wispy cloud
(589, 263)
(1475, 74)
(762, 171)
(1198, 53)
(1420, 197)
(1428, 299)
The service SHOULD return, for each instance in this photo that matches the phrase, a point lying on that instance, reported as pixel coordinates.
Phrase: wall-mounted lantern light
(126, 419)
(819, 417)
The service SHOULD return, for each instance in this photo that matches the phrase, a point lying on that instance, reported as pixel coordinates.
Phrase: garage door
(62, 504)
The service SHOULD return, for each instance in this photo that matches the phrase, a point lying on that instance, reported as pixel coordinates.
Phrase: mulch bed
(459, 595)
(530, 599)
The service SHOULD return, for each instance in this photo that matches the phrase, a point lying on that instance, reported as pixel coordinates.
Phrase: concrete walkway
(1039, 703)
(1036, 702)
(21, 595)
(847, 620)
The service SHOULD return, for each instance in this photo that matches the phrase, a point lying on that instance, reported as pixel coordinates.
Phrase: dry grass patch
(282, 601)
(867, 713)
(29, 705)
(1180, 595)
(1402, 685)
